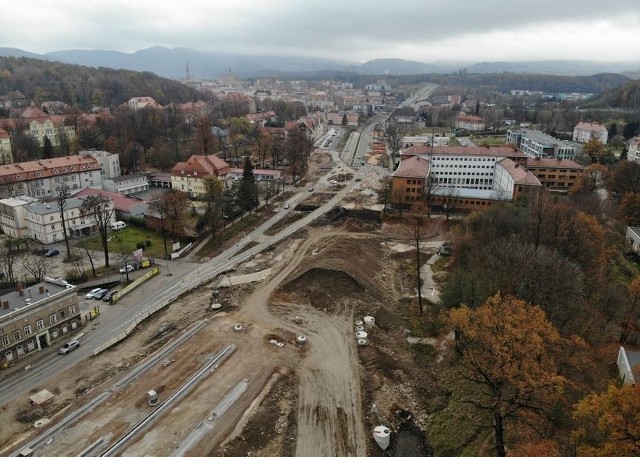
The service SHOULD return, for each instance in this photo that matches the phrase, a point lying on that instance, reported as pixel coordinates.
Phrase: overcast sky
(357, 30)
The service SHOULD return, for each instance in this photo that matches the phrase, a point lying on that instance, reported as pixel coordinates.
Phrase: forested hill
(504, 82)
(625, 97)
(85, 87)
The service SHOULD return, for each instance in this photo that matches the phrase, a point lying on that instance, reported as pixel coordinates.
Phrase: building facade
(633, 152)
(468, 122)
(13, 216)
(109, 163)
(187, 176)
(586, 131)
(6, 152)
(45, 178)
(36, 317)
(535, 143)
(555, 174)
(44, 222)
(127, 184)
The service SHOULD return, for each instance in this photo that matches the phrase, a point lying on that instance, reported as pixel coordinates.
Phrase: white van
(118, 225)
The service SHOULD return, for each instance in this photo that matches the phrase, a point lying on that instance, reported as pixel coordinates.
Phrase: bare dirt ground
(301, 400)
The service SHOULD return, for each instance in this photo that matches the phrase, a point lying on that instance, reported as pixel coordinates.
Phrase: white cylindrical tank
(362, 342)
(369, 320)
(382, 435)
(216, 306)
(301, 339)
(361, 335)
(358, 323)
(359, 328)
(237, 327)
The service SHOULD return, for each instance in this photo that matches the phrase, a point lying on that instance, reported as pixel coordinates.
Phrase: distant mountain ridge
(172, 63)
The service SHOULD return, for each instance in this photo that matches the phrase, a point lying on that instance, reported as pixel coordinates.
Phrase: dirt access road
(300, 400)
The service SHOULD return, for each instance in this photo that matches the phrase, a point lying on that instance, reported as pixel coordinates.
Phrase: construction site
(304, 350)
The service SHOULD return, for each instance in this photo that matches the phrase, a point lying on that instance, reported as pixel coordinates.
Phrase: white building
(633, 153)
(467, 122)
(6, 154)
(44, 223)
(13, 216)
(586, 131)
(127, 184)
(535, 143)
(109, 163)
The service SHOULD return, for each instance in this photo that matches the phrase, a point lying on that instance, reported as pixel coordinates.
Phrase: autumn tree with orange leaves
(609, 423)
(506, 350)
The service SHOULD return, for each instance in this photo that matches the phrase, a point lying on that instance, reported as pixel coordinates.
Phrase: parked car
(69, 346)
(101, 293)
(52, 252)
(130, 268)
(108, 295)
(93, 293)
(286, 206)
(310, 189)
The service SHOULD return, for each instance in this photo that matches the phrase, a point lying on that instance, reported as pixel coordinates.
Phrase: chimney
(5, 304)
(41, 290)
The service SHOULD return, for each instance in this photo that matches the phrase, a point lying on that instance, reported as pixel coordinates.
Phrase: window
(17, 336)
(72, 310)
(52, 319)
(40, 324)
(62, 314)
(5, 340)
(27, 330)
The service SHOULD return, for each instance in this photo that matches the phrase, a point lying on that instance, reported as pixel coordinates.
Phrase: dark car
(99, 295)
(108, 295)
(51, 253)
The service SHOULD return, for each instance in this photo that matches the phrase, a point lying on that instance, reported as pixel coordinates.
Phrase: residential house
(138, 103)
(44, 223)
(261, 118)
(633, 150)
(468, 122)
(13, 220)
(44, 178)
(555, 174)
(40, 125)
(187, 176)
(127, 184)
(109, 163)
(36, 317)
(535, 143)
(6, 154)
(586, 131)
(162, 180)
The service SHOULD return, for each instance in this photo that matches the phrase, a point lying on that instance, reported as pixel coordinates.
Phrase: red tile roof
(206, 165)
(493, 151)
(3, 134)
(413, 167)
(552, 163)
(36, 169)
(519, 173)
(120, 202)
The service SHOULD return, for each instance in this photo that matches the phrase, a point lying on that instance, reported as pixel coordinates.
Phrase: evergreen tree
(477, 107)
(613, 130)
(47, 149)
(248, 190)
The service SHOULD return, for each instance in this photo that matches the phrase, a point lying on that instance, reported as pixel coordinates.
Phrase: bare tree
(100, 210)
(36, 265)
(84, 244)
(418, 213)
(8, 259)
(62, 197)
(124, 259)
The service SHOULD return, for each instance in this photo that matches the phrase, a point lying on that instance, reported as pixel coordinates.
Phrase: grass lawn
(127, 239)
(490, 141)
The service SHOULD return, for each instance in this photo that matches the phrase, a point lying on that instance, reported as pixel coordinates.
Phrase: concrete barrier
(135, 284)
